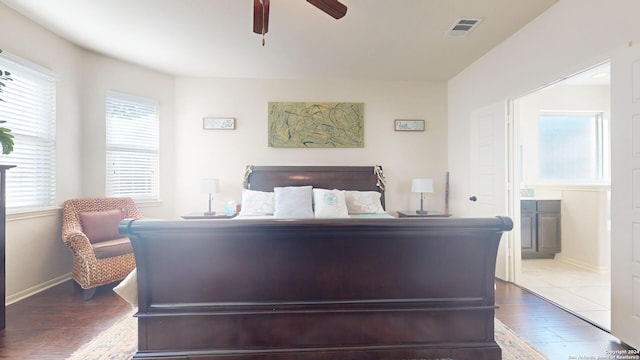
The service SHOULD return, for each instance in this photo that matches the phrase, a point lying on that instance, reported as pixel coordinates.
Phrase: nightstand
(203, 216)
(412, 213)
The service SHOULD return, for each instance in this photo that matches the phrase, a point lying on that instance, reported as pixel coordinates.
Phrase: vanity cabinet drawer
(528, 205)
(548, 205)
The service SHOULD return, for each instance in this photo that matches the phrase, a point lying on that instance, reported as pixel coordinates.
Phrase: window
(573, 147)
(132, 147)
(29, 108)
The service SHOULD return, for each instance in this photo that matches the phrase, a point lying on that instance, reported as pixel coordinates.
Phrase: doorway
(563, 158)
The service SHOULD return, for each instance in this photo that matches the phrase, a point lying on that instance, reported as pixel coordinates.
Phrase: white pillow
(293, 202)
(363, 202)
(329, 203)
(257, 202)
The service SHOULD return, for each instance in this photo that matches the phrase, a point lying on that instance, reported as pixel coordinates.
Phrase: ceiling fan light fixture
(261, 17)
(333, 8)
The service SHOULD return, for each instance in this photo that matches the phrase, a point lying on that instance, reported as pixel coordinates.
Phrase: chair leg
(89, 293)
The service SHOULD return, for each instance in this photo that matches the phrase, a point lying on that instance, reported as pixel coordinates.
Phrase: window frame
(118, 143)
(34, 131)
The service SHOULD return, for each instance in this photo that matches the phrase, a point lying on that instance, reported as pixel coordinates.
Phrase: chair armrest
(77, 241)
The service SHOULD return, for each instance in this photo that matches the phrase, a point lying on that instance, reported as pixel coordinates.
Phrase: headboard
(362, 178)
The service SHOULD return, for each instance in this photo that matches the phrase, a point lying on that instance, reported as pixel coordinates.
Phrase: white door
(625, 195)
(488, 183)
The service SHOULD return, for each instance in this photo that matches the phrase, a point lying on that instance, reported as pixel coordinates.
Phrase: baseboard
(36, 289)
(580, 264)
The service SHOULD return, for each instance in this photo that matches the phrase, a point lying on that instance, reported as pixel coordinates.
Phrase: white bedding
(128, 288)
(308, 202)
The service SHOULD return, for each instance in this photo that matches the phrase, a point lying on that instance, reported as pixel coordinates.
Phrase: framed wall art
(210, 123)
(316, 124)
(408, 125)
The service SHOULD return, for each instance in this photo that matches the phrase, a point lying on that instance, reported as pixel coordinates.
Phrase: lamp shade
(422, 185)
(209, 186)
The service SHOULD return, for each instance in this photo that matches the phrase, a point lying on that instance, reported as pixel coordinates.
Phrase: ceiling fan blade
(332, 7)
(260, 16)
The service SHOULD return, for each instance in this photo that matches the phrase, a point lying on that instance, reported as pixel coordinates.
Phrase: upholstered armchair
(90, 230)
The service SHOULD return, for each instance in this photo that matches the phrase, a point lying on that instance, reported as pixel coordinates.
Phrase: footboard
(316, 289)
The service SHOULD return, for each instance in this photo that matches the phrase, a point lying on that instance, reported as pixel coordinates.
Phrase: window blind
(573, 147)
(29, 109)
(132, 146)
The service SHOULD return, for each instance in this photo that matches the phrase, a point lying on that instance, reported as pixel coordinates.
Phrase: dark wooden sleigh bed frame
(399, 288)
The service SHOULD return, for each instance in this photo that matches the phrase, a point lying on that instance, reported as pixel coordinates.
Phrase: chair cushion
(101, 225)
(111, 248)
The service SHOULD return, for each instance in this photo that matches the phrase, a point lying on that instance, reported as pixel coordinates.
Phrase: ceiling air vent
(462, 27)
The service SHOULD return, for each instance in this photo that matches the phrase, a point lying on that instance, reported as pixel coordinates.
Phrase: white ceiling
(377, 39)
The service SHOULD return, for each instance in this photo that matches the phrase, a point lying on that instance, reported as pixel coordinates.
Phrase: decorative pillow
(257, 202)
(101, 225)
(293, 202)
(329, 203)
(363, 202)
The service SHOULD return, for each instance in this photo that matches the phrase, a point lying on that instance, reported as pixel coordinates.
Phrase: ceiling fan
(334, 8)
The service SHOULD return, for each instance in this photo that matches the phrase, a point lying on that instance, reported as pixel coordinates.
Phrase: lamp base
(422, 212)
(209, 213)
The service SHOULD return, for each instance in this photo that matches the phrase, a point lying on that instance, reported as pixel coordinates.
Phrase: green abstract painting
(319, 125)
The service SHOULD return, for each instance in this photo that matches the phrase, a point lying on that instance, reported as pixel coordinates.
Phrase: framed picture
(316, 124)
(219, 123)
(408, 125)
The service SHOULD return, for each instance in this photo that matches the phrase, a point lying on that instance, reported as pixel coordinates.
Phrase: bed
(316, 288)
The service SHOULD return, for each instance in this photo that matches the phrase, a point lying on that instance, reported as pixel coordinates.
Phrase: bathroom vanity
(540, 221)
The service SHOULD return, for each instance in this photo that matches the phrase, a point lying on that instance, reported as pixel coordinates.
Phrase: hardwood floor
(57, 321)
(54, 323)
(552, 330)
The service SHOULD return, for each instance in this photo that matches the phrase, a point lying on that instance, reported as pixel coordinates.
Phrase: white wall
(552, 46)
(35, 254)
(225, 153)
(586, 240)
(100, 75)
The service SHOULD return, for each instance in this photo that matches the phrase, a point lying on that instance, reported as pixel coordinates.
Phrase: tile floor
(581, 291)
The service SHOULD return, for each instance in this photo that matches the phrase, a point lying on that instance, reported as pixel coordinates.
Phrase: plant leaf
(7, 140)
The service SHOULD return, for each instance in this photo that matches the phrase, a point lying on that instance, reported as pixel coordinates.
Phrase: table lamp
(209, 186)
(422, 186)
